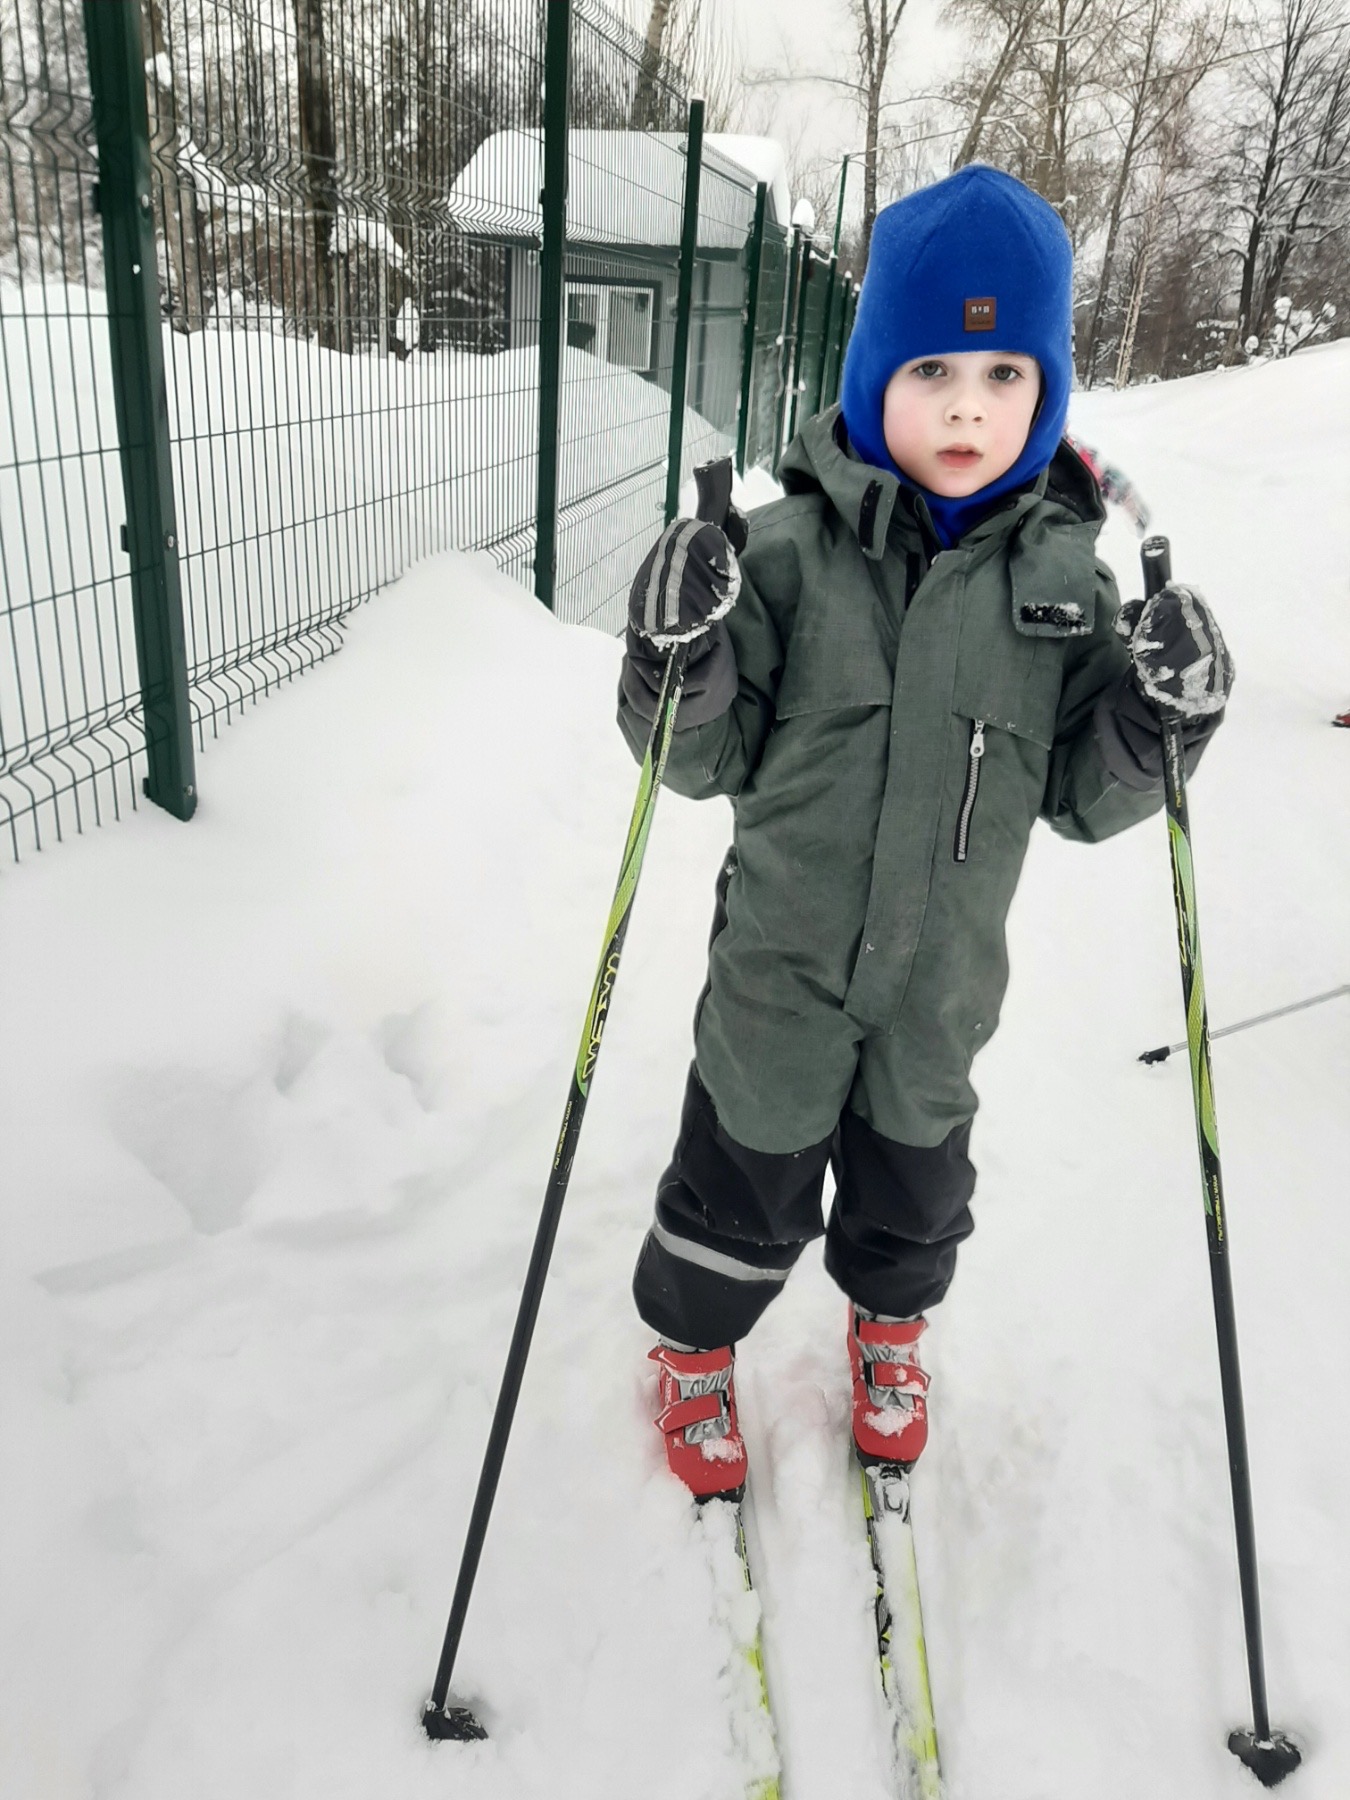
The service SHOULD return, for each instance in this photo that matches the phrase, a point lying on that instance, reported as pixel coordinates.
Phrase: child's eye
(929, 371)
(1004, 373)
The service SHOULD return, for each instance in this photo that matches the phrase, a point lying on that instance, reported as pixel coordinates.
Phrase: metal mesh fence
(70, 736)
(346, 212)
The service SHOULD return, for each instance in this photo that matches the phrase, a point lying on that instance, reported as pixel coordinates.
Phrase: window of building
(612, 322)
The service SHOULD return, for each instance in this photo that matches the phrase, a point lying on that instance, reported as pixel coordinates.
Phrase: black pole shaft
(1157, 572)
(555, 1193)
(684, 305)
(714, 497)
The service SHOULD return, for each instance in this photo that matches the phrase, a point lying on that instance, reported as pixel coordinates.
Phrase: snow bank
(278, 1093)
(304, 480)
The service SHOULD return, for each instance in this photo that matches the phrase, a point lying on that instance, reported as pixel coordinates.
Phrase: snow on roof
(623, 187)
(766, 160)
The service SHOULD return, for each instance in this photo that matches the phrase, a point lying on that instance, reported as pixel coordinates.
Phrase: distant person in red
(1342, 719)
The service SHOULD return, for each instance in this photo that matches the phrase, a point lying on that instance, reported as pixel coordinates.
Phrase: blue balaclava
(975, 262)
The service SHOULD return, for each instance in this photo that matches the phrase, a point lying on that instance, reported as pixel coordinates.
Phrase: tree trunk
(183, 223)
(640, 117)
(874, 57)
(1007, 56)
(1046, 159)
(1141, 93)
(1125, 354)
(318, 150)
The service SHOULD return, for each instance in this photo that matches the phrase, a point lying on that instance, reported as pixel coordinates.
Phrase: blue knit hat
(975, 262)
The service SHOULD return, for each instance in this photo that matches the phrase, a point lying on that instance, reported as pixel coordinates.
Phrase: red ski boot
(890, 1390)
(697, 1417)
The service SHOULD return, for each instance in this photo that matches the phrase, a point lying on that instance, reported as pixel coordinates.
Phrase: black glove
(686, 586)
(688, 580)
(1181, 663)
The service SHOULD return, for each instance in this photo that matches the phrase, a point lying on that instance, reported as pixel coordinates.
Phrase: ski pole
(1163, 1051)
(439, 1719)
(1269, 1755)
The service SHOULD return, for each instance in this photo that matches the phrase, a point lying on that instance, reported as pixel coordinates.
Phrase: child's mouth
(959, 458)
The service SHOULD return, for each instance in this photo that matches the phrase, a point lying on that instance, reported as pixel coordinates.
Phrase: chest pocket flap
(1015, 693)
(839, 654)
(1009, 678)
(1053, 570)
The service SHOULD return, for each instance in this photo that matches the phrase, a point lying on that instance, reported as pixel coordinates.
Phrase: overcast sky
(816, 35)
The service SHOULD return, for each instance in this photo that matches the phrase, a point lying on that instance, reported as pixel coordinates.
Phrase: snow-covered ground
(278, 1094)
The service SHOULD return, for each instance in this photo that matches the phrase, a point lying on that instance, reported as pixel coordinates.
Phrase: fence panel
(625, 193)
(345, 391)
(71, 741)
(347, 214)
(771, 324)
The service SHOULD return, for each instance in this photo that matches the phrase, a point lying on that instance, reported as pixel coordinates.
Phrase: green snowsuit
(862, 959)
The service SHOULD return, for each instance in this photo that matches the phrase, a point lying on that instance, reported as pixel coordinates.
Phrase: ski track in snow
(278, 1096)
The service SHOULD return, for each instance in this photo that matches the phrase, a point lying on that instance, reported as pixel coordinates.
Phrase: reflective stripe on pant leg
(715, 1260)
(899, 1213)
(730, 1224)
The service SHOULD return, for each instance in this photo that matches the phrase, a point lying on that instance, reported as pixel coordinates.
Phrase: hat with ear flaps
(975, 262)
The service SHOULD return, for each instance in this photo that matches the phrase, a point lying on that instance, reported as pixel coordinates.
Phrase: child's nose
(966, 403)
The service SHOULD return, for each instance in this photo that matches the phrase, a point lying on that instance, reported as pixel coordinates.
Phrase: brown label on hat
(981, 315)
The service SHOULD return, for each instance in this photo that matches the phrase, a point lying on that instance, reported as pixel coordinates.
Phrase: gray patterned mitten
(1181, 663)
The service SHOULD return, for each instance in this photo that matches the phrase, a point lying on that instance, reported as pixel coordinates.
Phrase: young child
(894, 671)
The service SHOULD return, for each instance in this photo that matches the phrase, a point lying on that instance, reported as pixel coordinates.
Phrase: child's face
(955, 423)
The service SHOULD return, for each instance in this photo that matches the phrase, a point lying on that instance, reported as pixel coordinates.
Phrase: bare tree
(876, 23)
(1168, 152)
(680, 35)
(184, 224)
(703, 50)
(1153, 80)
(318, 150)
(658, 19)
(1292, 154)
(1032, 102)
(1013, 21)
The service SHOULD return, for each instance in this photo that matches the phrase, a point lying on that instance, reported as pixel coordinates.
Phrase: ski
(902, 1653)
(737, 1610)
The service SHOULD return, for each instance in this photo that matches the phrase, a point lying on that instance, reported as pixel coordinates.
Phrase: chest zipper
(961, 848)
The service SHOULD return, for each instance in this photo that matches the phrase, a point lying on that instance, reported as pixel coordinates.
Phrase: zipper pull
(977, 741)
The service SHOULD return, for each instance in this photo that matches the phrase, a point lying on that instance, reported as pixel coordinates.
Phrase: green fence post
(679, 368)
(831, 282)
(854, 298)
(552, 259)
(799, 335)
(751, 323)
(787, 343)
(126, 205)
(846, 312)
(839, 210)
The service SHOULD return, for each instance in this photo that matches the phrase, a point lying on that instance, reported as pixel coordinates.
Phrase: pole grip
(1155, 554)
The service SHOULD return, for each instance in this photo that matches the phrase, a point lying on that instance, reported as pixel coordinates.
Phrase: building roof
(623, 187)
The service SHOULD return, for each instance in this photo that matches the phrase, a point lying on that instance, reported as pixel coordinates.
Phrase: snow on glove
(1181, 663)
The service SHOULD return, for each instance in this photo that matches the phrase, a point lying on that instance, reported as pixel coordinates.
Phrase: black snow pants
(731, 1222)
